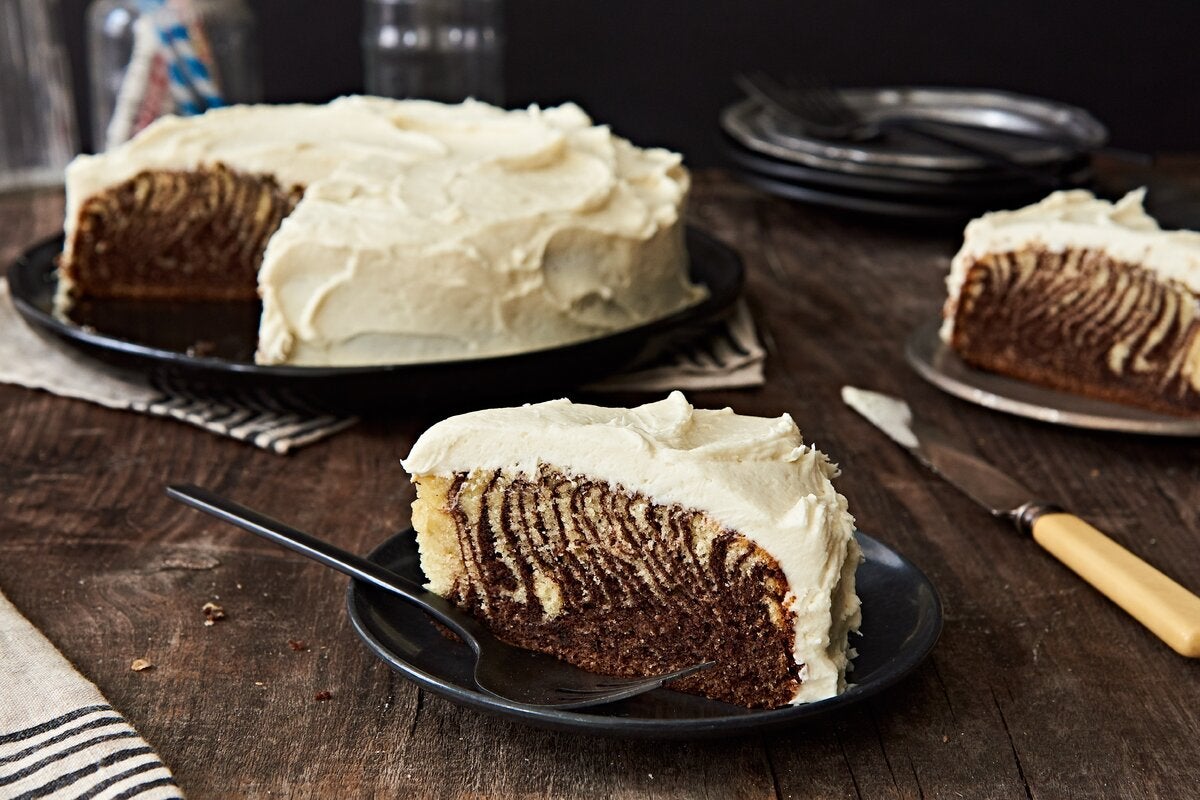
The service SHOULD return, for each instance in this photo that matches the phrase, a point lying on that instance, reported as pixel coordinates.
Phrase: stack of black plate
(903, 174)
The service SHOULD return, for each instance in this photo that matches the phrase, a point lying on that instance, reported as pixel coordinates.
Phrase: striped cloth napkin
(59, 737)
(730, 357)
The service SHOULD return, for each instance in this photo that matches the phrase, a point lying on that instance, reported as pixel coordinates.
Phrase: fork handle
(331, 556)
(989, 156)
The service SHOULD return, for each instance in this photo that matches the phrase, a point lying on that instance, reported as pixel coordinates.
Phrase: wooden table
(1039, 687)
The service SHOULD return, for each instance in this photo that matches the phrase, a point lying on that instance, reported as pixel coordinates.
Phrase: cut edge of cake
(196, 234)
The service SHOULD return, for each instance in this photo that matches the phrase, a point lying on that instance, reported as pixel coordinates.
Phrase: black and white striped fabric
(272, 423)
(730, 356)
(27, 360)
(59, 737)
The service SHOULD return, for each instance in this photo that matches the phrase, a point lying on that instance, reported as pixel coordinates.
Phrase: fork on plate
(512, 673)
(817, 109)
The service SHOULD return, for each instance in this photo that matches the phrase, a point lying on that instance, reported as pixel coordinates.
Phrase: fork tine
(596, 694)
(816, 89)
(638, 685)
(771, 93)
(810, 101)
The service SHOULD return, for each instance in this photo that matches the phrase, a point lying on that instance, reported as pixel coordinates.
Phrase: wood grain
(1039, 687)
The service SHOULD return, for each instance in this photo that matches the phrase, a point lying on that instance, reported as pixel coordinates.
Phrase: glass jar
(37, 119)
(444, 50)
(129, 65)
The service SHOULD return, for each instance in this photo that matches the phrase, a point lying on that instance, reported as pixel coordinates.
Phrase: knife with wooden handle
(1153, 599)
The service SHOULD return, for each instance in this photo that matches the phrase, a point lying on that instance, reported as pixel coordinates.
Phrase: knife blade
(1165, 607)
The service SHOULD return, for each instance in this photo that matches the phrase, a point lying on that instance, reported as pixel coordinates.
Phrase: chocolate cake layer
(614, 583)
(176, 235)
(1082, 322)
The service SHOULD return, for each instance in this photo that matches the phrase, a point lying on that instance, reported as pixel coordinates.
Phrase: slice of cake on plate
(384, 231)
(636, 541)
(1083, 295)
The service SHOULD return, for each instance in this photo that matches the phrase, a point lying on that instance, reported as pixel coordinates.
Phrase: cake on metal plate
(383, 231)
(1083, 295)
(636, 541)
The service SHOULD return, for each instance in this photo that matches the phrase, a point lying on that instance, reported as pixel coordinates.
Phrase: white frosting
(751, 474)
(1073, 220)
(432, 232)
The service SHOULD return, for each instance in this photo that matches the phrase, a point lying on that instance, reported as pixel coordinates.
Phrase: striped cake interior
(1079, 321)
(176, 235)
(609, 580)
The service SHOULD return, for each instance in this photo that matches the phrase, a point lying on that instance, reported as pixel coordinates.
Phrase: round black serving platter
(209, 347)
(902, 618)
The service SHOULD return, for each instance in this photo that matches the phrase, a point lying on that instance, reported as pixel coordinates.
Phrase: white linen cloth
(59, 737)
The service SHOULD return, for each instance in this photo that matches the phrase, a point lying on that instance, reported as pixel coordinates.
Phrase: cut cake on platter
(382, 231)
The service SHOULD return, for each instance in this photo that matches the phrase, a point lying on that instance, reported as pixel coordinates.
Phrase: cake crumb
(189, 561)
(297, 644)
(212, 613)
(140, 665)
(322, 696)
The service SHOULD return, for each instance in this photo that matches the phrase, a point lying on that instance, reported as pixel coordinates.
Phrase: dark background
(658, 72)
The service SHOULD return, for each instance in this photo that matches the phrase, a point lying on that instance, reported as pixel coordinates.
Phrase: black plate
(902, 617)
(159, 339)
(876, 205)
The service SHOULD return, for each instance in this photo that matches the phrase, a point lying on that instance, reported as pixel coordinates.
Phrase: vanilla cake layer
(424, 231)
(632, 541)
(1082, 295)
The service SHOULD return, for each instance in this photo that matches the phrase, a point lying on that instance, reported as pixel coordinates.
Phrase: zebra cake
(379, 231)
(637, 541)
(1082, 295)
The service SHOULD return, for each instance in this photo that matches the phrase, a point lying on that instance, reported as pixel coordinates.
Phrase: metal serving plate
(1002, 192)
(941, 366)
(895, 207)
(1030, 130)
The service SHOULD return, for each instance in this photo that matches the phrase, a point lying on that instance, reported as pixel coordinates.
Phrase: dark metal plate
(1029, 130)
(937, 363)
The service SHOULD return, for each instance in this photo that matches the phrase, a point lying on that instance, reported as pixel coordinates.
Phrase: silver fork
(513, 673)
(814, 106)
(820, 111)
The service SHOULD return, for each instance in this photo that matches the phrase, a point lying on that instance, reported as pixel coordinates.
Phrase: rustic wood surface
(1039, 687)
